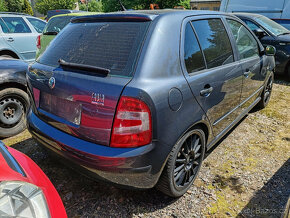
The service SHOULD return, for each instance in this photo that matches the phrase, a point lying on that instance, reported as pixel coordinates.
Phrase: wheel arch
(17, 85)
(9, 52)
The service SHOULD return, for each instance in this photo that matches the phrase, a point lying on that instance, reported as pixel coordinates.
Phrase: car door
(214, 76)
(251, 61)
(19, 36)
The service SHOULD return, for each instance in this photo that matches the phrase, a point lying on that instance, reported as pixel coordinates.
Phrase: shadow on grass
(271, 199)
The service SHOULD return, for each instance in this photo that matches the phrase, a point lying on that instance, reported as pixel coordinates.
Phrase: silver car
(18, 33)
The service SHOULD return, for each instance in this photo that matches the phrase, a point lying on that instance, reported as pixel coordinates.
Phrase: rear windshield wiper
(50, 33)
(84, 67)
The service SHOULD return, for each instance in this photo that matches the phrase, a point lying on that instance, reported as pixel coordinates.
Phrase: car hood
(284, 38)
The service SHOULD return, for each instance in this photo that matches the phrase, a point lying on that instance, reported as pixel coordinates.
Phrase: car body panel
(33, 175)
(161, 82)
(13, 71)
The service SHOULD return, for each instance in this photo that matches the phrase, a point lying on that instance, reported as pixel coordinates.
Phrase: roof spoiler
(112, 18)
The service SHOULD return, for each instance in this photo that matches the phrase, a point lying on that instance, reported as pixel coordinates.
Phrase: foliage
(3, 5)
(43, 6)
(93, 6)
(27, 9)
(113, 5)
(14, 5)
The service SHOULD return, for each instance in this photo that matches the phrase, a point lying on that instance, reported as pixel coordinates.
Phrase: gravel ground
(246, 175)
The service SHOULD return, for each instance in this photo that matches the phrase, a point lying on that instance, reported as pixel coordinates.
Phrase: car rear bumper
(129, 167)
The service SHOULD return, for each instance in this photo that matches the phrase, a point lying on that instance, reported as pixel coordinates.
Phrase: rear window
(56, 24)
(111, 45)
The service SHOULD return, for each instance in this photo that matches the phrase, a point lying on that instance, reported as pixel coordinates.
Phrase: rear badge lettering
(98, 99)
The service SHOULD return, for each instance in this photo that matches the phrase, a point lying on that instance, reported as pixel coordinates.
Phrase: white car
(18, 33)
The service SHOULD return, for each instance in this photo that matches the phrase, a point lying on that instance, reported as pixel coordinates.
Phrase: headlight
(20, 199)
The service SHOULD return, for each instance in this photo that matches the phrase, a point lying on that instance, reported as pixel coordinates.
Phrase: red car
(25, 191)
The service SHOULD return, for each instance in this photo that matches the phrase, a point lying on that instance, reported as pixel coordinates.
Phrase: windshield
(56, 24)
(275, 28)
(111, 45)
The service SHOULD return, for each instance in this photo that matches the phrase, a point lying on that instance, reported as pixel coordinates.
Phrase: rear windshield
(111, 45)
(56, 24)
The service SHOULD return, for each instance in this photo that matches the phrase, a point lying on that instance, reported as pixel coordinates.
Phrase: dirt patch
(246, 175)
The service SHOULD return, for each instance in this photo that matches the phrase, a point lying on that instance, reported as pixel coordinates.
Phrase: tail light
(132, 124)
(38, 42)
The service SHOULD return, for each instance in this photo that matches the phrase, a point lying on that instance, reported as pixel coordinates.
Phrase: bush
(93, 6)
(42, 6)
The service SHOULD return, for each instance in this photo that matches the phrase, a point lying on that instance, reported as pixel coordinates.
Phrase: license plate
(68, 110)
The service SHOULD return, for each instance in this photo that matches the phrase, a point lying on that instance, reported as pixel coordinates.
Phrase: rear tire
(266, 94)
(7, 57)
(14, 103)
(183, 164)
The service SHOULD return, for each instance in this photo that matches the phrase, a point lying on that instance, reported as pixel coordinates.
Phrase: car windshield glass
(275, 28)
(56, 24)
(111, 45)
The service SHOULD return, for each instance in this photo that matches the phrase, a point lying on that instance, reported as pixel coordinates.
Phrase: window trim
(260, 47)
(191, 19)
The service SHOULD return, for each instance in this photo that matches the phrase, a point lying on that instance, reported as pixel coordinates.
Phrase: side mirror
(270, 50)
(260, 33)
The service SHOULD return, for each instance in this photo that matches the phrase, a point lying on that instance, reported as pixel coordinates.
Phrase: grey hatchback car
(137, 98)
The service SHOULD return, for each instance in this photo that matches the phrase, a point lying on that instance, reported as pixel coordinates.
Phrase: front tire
(183, 164)
(266, 94)
(14, 103)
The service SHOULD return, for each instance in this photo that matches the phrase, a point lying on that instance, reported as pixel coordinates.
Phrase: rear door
(19, 36)
(213, 74)
(251, 61)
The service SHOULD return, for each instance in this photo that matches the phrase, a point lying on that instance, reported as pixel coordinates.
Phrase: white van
(278, 10)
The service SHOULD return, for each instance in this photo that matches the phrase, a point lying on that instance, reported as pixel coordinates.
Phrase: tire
(266, 94)
(14, 103)
(181, 169)
(7, 57)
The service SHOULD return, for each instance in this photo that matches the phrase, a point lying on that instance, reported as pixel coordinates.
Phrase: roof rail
(16, 13)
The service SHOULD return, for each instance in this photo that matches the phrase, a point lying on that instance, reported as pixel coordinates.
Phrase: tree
(3, 6)
(14, 5)
(113, 5)
(43, 6)
(93, 6)
(27, 9)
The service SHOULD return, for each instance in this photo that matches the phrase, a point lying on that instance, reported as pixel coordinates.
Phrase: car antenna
(122, 6)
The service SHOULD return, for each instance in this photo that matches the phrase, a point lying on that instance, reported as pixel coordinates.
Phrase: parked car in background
(271, 33)
(278, 10)
(18, 33)
(25, 191)
(136, 98)
(53, 27)
(52, 13)
(14, 100)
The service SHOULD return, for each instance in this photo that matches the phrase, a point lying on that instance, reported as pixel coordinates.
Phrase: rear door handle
(206, 92)
(10, 39)
(247, 73)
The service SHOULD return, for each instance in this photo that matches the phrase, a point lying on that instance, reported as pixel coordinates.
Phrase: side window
(214, 42)
(251, 25)
(16, 25)
(192, 54)
(246, 43)
(37, 24)
(4, 27)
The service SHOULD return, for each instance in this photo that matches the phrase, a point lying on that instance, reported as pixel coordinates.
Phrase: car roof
(250, 15)
(151, 14)
(12, 14)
